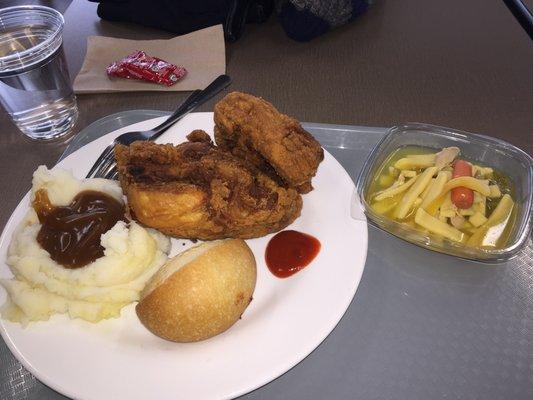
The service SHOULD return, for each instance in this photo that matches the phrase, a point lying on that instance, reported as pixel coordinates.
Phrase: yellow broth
(383, 180)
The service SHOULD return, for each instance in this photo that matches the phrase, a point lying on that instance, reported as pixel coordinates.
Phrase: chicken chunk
(198, 191)
(252, 129)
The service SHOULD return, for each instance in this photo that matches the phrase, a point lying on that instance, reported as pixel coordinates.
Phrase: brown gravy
(71, 234)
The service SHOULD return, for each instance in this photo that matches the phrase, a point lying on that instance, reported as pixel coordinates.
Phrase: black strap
(242, 11)
(522, 15)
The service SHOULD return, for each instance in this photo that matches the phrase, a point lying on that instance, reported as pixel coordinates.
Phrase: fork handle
(197, 98)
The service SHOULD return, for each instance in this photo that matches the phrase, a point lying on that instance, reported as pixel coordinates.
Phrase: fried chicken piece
(252, 129)
(197, 191)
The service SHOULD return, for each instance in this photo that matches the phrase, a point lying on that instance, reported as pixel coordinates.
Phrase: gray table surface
(421, 326)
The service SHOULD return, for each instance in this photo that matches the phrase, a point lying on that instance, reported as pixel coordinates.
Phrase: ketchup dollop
(289, 252)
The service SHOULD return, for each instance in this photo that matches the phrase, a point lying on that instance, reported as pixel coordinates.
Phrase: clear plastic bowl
(491, 152)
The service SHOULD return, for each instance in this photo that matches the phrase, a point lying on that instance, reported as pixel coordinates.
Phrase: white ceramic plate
(287, 319)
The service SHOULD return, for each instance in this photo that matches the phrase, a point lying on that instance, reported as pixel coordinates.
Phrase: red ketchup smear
(290, 251)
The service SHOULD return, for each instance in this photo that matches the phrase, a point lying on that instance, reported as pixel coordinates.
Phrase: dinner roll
(200, 292)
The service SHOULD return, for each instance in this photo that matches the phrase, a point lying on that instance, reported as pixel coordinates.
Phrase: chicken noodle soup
(443, 194)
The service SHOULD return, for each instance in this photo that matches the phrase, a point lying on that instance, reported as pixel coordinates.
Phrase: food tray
(422, 325)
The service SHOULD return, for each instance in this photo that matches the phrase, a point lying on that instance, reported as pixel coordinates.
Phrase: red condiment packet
(143, 67)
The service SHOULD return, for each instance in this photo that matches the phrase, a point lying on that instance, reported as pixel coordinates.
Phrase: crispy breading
(198, 191)
(252, 129)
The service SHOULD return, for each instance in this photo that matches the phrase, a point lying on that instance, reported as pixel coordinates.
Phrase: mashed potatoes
(41, 287)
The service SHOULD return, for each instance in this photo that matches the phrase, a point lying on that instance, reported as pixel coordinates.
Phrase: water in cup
(35, 87)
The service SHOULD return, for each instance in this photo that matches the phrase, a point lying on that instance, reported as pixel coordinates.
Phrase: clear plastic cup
(35, 86)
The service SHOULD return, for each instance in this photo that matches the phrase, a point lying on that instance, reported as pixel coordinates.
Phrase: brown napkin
(202, 53)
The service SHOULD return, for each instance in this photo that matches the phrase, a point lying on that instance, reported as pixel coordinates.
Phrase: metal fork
(105, 166)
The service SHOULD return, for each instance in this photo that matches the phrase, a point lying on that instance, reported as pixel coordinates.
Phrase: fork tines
(104, 164)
